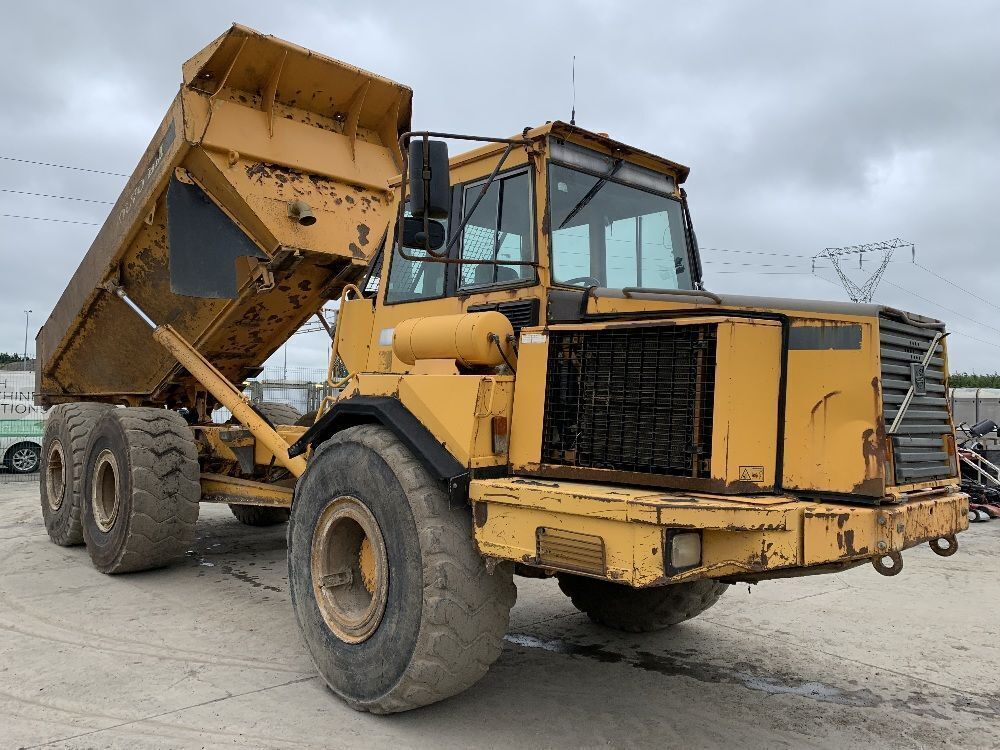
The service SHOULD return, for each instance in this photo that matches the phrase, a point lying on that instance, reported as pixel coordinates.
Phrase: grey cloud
(805, 124)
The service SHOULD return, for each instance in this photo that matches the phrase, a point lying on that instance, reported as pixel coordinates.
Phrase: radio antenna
(572, 116)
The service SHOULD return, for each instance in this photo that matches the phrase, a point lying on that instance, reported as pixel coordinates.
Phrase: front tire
(621, 607)
(395, 604)
(141, 490)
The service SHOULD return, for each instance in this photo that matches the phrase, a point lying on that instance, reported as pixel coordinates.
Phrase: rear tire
(64, 444)
(257, 515)
(307, 420)
(395, 604)
(621, 607)
(279, 414)
(141, 490)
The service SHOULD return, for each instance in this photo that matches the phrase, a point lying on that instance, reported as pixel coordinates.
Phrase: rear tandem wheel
(141, 489)
(260, 515)
(64, 445)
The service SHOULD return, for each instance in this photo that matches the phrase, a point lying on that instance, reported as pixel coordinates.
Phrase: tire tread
(79, 419)
(640, 610)
(466, 608)
(166, 489)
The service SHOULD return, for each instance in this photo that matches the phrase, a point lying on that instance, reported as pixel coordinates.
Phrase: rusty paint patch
(363, 231)
(480, 513)
(874, 487)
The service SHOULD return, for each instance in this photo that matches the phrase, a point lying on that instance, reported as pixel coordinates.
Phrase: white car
(21, 424)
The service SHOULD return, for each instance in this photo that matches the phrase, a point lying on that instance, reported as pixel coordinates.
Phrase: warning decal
(751, 473)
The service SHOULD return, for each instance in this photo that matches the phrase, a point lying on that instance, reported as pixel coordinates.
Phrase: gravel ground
(207, 654)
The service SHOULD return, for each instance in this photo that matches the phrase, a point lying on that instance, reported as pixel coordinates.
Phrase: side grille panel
(522, 313)
(636, 399)
(918, 447)
(570, 550)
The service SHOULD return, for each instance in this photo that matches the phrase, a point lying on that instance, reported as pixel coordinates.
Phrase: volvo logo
(918, 379)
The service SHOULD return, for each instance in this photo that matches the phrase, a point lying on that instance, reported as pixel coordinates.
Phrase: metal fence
(301, 388)
(21, 439)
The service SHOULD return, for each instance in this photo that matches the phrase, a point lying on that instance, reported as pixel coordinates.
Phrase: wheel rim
(24, 460)
(350, 569)
(55, 476)
(104, 496)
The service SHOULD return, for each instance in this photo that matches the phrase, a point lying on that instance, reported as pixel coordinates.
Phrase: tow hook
(946, 546)
(888, 570)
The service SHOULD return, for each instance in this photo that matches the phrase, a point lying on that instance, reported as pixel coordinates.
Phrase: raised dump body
(263, 192)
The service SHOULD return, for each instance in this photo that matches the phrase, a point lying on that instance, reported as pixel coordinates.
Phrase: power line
(754, 252)
(981, 341)
(960, 288)
(62, 166)
(46, 218)
(61, 197)
(755, 265)
(938, 304)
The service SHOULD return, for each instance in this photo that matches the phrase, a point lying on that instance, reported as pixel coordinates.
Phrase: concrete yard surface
(206, 654)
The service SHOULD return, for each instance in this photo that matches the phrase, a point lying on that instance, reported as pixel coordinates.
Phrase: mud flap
(204, 244)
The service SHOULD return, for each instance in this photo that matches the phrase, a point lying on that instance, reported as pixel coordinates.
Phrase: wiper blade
(592, 192)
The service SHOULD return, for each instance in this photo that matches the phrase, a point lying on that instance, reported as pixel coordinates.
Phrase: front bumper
(620, 534)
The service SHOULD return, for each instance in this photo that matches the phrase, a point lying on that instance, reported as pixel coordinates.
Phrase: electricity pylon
(865, 291)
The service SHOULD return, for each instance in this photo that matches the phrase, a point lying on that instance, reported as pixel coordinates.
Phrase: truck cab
(631, 392)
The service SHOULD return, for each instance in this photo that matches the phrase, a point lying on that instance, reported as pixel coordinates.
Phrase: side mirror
(414, 237)
(430, 191)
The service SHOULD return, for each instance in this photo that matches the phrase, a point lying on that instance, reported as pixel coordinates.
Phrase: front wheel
(621, 607)
(395, 604)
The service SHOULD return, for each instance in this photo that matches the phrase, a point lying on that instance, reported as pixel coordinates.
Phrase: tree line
(974, 380)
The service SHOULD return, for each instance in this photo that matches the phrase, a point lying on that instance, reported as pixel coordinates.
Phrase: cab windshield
(613, 224)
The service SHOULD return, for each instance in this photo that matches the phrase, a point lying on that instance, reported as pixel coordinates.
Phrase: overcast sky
(806, 125)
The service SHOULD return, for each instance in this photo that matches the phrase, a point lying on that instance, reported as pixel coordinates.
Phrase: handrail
(977, 466)
(918, 323)
(335, 349)
(630, 290)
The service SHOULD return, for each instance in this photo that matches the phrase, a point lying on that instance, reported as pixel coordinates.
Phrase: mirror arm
(426, 176)
(404, 140)
(442, 257)
(475, 204)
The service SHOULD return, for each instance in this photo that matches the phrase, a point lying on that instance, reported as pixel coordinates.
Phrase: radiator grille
(636, 399)
(918, 446)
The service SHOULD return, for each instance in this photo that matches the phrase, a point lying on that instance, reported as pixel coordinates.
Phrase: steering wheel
(581, 279)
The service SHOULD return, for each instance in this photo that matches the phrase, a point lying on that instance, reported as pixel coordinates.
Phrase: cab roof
(597, 141)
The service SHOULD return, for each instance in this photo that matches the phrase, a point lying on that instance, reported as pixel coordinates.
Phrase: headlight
(683, 550)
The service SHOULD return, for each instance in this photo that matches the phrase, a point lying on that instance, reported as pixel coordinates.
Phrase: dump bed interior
(213, 233)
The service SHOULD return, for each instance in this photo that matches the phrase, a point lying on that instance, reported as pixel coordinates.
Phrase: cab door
(500, 228)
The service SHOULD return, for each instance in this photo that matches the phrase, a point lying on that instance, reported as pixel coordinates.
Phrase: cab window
(412, 280)
(499, 229)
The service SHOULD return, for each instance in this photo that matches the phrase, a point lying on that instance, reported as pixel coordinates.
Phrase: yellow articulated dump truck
(532, 380)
